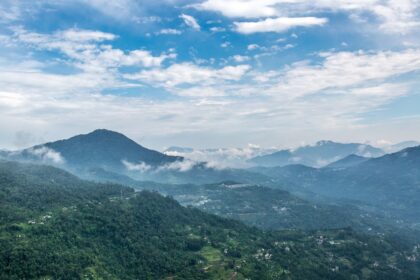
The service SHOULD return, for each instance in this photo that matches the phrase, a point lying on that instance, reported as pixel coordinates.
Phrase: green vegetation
(56, 226)
(211, 254)
(274, 209)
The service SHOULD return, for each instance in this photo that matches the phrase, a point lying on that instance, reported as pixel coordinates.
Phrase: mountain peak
(102, 132)
(106, 149)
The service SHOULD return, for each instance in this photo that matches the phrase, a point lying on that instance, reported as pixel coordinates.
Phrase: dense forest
(56, 226)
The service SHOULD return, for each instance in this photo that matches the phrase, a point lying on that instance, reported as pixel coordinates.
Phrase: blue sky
(210, 73)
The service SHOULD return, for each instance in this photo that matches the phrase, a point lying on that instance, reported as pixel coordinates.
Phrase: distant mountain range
(390, 182)
(321, 154)
(401, 146)
(348, 161)
(115, 152)
(318, 155)
(3, 153)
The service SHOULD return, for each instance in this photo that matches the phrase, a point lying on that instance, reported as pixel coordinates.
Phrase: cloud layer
(394, 16)
(277, 24)
(209, 72)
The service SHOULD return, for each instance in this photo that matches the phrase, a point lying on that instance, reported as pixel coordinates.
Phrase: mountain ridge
(389, 182)
(318, 155)
(348, 161)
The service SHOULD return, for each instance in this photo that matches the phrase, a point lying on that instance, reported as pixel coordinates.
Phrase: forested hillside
(55, 226)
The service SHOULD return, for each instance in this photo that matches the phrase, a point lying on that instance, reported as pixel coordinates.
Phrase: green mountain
(56, 226)
(100, 148)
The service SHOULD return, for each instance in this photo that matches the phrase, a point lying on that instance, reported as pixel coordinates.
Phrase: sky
(210, 73)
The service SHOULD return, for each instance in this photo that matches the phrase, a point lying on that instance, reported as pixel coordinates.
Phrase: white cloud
(222, 158)
(277, 24)
(47, 154)
(240, 58)
(398, 15)
(198, 91)
(356, 74)
(9, 11)
(80, 35)
(10, 99)
(189, 74)
(14, 79)
(170, 31)
(347, 69)
(393, 15)
(225, 44)
(83, 47)
(97, 64)
(289, 46)
(142, 166)
(190, 21)
(240, 8)
(217, 29)
(180, 165)
(252, 47)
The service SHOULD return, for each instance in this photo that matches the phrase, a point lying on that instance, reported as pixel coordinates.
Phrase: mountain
(348, 161)
(280, 158)
(390, 182)
(56, 226)
(318, 155)
(113, 153)
(4, 153)
(401, 146)
(100, 148)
